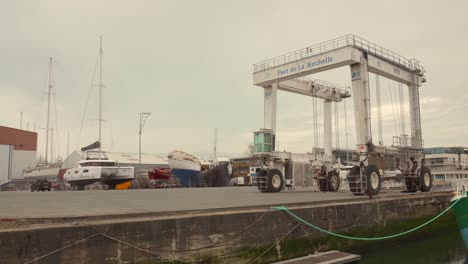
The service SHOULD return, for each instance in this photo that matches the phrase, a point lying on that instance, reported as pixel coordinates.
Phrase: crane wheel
(374, 181)
(322, 184)
(426, 179)
(333, 181)
(275, 180)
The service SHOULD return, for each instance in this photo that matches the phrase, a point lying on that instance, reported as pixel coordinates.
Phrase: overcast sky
(189, 63)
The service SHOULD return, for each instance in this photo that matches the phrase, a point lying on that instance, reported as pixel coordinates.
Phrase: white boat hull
(184, 165)
(82, 175)
(104, 175)
(46, 172)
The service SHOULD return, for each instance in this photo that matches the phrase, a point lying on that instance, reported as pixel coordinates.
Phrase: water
(442, 247)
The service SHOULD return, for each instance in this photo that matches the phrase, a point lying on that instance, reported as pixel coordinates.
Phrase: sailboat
(46, 170)
(185, 167)
(96, 167)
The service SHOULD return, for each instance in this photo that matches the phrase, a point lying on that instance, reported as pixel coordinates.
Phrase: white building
(448, 163)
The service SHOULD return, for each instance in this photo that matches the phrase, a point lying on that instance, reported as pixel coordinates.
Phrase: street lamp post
(143, 117)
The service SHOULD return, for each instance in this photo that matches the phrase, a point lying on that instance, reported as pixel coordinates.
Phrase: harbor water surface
(441, 247)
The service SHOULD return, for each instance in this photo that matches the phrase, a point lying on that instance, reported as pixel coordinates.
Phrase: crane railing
(411, 65)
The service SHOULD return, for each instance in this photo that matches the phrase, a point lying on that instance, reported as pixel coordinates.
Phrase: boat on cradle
(49, 171)
(461, 210)
(185, 167)
(98, 168)
(159, 174)
(46, 170)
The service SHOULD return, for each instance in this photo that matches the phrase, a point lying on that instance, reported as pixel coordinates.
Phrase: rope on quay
(279, 240)
(89, 237)
(224, 242)
(147, 250)
(62, 248)
(285, 209)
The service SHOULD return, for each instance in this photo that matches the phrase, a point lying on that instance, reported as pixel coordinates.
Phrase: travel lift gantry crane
(271, 178)
(405, 156)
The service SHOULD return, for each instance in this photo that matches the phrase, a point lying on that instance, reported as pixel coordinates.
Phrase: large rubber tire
(354, 173)
(333, 181)
(322, 184)
(374, 181)
(275, 181)
(426, 179)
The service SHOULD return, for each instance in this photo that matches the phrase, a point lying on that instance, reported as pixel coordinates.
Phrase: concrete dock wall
(217, 236)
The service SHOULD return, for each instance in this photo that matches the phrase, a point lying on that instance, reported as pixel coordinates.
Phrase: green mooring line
(285, 209)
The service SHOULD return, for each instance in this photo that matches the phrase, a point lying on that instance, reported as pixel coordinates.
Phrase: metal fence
(405, 141)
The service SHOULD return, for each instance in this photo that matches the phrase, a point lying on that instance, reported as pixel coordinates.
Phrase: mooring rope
(285, 209)
(274, 244)
(88, 238)
(62, 248)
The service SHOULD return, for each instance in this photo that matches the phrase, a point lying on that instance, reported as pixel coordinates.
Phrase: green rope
(285, 209)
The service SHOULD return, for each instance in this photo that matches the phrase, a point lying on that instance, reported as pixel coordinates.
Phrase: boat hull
(188, 178)
(113, 176)
(186, 171)
(105, 175)
(43, 172)
(159, 174)
(460, 211)
(81, 177)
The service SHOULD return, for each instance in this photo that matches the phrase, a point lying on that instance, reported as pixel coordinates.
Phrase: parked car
(41, 185)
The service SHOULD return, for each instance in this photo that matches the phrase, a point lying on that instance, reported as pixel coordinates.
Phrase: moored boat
(185, 167)
(460, 210)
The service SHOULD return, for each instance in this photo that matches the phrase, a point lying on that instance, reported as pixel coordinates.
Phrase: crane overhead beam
(315, 88)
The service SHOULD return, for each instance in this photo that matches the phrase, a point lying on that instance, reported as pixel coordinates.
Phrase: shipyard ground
(218, 225)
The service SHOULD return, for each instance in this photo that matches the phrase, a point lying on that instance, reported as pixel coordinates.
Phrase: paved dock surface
(57, 204)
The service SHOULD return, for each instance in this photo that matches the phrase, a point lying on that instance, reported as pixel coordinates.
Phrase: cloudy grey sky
(189, 63)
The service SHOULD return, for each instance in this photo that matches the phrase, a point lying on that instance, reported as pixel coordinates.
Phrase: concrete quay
(205, 225)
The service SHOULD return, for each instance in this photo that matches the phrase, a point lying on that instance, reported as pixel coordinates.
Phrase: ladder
(357, 183)
(260, 182)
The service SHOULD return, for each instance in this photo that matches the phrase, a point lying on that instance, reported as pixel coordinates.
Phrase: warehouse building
(18, 150)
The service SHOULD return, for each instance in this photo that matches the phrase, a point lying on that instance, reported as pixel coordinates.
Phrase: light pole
(143, 117)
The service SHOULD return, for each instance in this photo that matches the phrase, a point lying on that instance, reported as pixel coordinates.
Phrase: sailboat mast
(52, 145)
(48, 109)
(68, 144)
(215, 142)
(100, 92)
